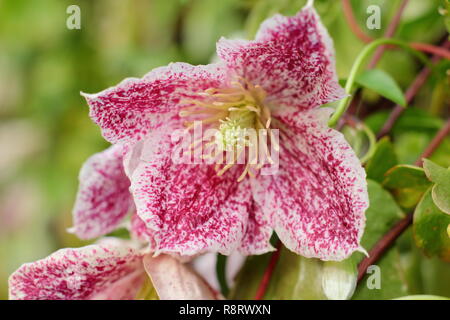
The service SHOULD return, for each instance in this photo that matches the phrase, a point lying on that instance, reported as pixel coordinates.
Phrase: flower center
(236, 112)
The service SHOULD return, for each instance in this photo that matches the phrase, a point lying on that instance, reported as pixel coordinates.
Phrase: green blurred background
(45, 130)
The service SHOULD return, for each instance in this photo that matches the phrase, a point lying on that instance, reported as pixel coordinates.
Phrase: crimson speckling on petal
(315, 202)
(113, 269)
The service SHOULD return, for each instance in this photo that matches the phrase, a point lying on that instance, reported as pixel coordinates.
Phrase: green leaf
(436, 173)
(430, 228)
(407, 183)
(392, 281)
(382, 160)
(410, 145)
(435, 277)
(441, 190)
(221, 273)
(382, 214)
(445, 11)
(383, 84)
(404, 176)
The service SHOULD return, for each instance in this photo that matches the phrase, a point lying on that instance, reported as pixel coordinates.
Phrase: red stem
(409, 95)
(268, 272)
(353, 24)
(350, 17)
(428, 48)
(434, 144)
(381, 246)
(389, 238)
(388, 34)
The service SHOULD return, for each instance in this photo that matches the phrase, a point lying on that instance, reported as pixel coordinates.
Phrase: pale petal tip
(71, 230)
(310, 3)
(87, 95)
(363, 251)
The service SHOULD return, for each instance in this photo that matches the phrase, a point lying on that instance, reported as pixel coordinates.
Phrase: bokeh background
(45, 130)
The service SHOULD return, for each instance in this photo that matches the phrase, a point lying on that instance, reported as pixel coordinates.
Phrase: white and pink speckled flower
(110, 270)
(315, 202)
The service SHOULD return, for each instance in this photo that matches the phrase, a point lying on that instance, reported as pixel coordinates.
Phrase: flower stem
(410, 93)
(359, 62)
(434, 144)
(389, 238)
(385, 243)
(357, 31)
(268, 273)
(392, 27)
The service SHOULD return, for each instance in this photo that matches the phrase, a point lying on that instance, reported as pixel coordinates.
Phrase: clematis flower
(315, 202)
(111, 270)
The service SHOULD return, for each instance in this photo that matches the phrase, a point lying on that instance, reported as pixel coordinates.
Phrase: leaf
(445, 11)
(383, 84)
(436, 173)
(407, 183)
(412, 119)
(382, 160)
(392, 281)
(441, 190)
(436, 277)
(382, 214)
(410, 145)
(430, 228)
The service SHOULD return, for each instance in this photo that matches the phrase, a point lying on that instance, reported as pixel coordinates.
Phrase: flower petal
(176, 281)
(77, 274)
(292, 58)
(257, 234)
(127, 112)
(140, 232)
(188, 207)
(317, 200)
(103, 197)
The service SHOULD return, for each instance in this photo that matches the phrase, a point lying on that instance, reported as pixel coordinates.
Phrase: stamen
(233, 110)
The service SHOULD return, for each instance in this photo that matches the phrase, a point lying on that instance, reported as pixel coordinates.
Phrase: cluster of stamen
(233, 111)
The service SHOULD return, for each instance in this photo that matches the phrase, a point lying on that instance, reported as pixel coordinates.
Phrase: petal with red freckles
(128, 111)
(316, 201)
(257, 235)
(176, 281)
(292, 58)
(188, 207)
(103, 198)
(79, 274)
(140, 232)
